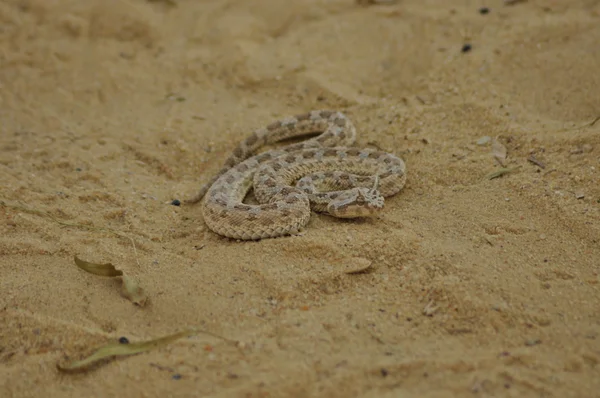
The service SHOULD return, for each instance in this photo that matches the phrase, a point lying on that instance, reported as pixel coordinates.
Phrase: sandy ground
(111, 109)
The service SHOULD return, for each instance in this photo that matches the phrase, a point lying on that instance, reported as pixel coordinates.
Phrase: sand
(110, 110)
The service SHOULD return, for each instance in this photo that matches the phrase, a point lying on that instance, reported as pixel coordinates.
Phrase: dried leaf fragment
(501, 172)
(113, 350)
(98, 269)
(131, 289)
(535, 161)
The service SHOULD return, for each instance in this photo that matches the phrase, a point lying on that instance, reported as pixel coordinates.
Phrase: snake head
(356, 202)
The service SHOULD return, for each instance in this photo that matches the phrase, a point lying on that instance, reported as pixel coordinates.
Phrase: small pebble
(466, 48)
(484, 140)
(579, 195)
(176, 202)
(484, 10)
(532, 342)
(384, 372)
(176, 376)
(123, 340)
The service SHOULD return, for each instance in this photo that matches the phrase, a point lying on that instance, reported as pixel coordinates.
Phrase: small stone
(532, 342)
(176, 376)
(484, 140)
(484, 10)
(123, 340)
(466, 48)
(579, 195)
(176, 202)
(357, 265)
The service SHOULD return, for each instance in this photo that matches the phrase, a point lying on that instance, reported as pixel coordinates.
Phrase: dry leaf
(501, 172)
(131, 289)
(113, 350)
(98, 269)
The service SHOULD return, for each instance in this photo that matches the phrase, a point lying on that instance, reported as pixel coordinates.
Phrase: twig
(533, 160)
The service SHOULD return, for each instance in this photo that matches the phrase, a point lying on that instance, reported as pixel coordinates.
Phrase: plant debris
(131, 289)
(501, 172)
(533, 160)
(116, 349)
(98, 269)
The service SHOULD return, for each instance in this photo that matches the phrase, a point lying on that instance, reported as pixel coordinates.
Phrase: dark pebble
(123, 340)
(484, 10)
(384, 372)
(466, 48)
(176, 202)
(176, 376)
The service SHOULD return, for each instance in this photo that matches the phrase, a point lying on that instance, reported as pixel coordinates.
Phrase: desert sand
(112, 109)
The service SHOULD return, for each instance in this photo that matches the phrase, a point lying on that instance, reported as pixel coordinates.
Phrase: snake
(324, 172)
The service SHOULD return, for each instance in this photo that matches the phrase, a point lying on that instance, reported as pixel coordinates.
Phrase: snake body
(360, 178)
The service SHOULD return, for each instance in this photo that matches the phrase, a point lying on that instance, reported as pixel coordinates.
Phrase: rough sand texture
(110, 109)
